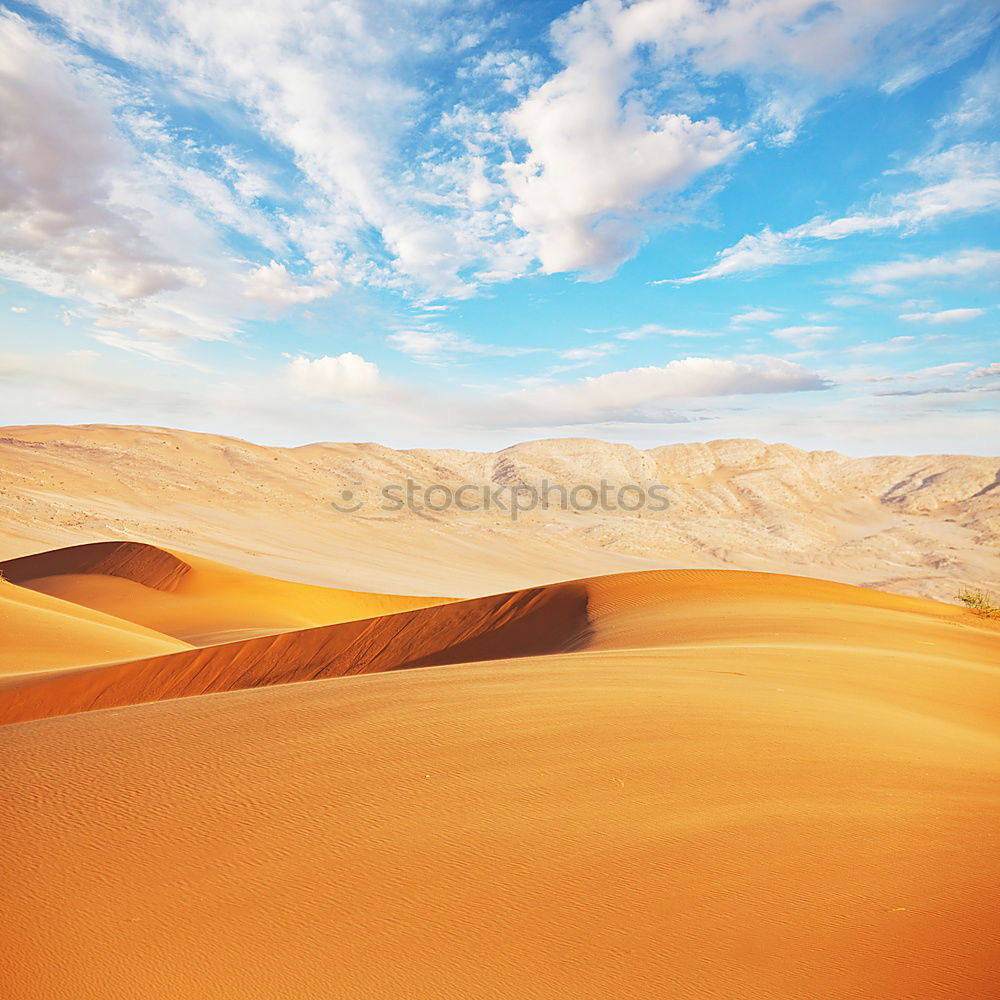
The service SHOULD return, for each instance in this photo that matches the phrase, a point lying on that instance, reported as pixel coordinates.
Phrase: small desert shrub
(980, 602)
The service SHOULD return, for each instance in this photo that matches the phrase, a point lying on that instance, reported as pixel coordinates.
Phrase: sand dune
(667, 608)
(652, 783)
(189, 598)
(921, 525)
(731, 786)
(44, 633)
(530, 622)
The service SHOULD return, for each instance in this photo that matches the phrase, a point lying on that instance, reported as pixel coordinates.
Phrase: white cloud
(430, 344)
(273, 285)
(656, 330)
(804, 336)
(754, 316)
(113, 233)
(979, 99)
(943, 316)
(848, 301)
(751, 254)
(962, 180)
(159, 345)
(328, 377)
(642, 394)
(383, 181)
(891, 346)
(588, 218)
(591, 353)
(18, 309)
(63, 232)
(881, 278)
(426, 344)
(344, 97)
(598, 155)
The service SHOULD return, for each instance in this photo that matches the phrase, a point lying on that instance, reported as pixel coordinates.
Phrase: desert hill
(195, 600)
(924, 525)
(41, 632)
(639, 610)
(695, 783)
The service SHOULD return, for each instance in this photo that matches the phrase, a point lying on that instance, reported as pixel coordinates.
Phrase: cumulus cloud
(61, 229)
(582, 191)
(644, 394)
(597, 155)
(329, 377)
(273, 285)
(943, 316)
(987, 371)
(329, 85)
(397, 189)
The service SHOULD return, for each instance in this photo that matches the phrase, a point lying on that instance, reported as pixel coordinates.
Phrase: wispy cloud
(431, 344)
(804, 336)
(658, 330)
(882, 278)
(962, 180)
(943, 316)
(752, 254)
(754, 316)
(654, 393)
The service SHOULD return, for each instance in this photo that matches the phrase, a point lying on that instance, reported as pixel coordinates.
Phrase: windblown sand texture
(687, 783)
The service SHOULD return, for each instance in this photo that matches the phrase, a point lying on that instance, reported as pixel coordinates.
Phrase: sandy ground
(656, 784)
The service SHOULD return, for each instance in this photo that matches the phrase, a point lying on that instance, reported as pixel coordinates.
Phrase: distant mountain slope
(923, 525)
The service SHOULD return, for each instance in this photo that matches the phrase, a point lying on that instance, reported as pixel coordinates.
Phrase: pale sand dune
(788, 790)
(192, 599)
(40, 632)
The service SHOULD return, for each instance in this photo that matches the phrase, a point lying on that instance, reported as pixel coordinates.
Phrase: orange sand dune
(192, 599)
(658, 608)
(40, 632)
(529, 622)
(738, 786)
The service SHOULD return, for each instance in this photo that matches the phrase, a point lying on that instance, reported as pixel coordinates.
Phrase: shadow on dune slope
(136, 561)
(677, 608)
(534, 622)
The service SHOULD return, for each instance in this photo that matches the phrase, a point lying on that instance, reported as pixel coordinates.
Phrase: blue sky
(464, 224)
